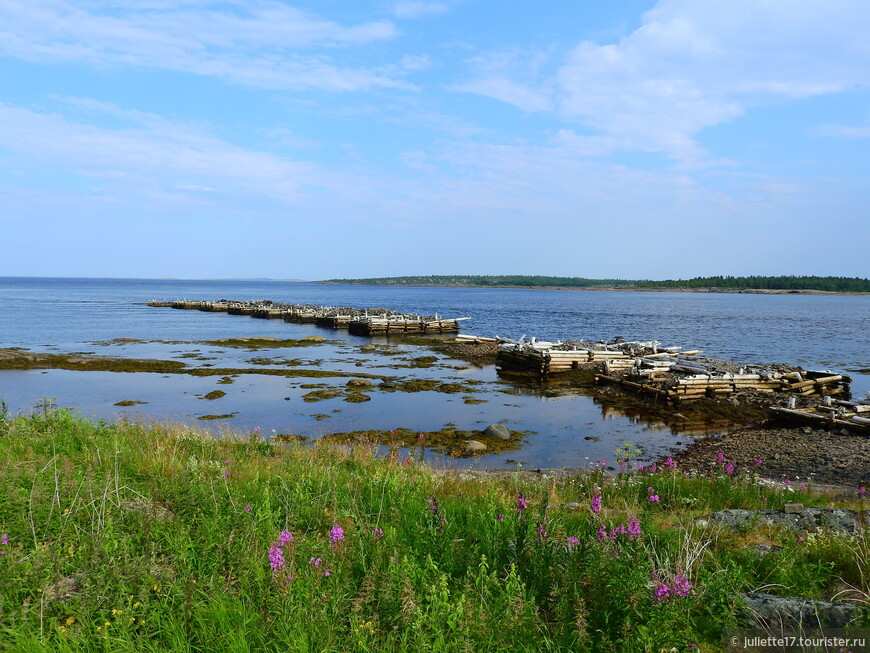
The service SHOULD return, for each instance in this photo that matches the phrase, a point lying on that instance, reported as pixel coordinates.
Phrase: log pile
(830, 413)
(544, 358)
(366, 322)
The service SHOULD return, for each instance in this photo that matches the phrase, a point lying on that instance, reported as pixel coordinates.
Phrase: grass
(129, 537)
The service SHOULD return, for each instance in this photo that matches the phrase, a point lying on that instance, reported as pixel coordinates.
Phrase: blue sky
(310, 140)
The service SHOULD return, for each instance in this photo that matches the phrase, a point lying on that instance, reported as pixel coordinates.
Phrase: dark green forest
(826, 284)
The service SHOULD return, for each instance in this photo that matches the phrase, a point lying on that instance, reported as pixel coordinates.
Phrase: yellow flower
(70, 621)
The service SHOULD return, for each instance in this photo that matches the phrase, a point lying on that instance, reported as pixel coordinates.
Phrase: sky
(632, 139)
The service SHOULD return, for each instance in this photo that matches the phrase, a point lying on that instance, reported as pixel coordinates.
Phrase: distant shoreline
(712, 290)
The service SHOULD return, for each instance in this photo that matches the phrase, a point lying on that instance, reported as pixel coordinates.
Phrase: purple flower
(654, 498)
(227, 461)
(499, 517)
(521, 503)
(227, 474)
(256, 429)
(336, 534)
(758, 462)
(596, 504)
(669, 463)
(573, 540)
(315, 562)
(433, 505)
(653, 469)
(603, 463)
(378, 533)
(729, 468)
(541, 531)
(4, 539)
(661, 593)
(681, 586)
(650, 490)
(248, 508)
(285, 537)
(862, 491)
(634, 530)
(326, 572)
(720, 458)
(276, 557)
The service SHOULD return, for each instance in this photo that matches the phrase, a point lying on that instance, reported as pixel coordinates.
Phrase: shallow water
(66, 315)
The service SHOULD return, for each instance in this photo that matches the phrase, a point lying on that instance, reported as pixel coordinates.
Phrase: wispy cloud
(692, 65)
(259, 43)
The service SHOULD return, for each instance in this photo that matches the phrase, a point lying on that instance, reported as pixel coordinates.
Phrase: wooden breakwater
(830, 413)
(364, 322)
(668, 374)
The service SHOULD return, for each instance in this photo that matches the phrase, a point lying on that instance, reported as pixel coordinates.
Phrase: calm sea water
(817, 332)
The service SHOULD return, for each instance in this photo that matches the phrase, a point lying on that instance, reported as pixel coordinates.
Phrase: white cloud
(844, 131)
(258, 43)
(692, 65)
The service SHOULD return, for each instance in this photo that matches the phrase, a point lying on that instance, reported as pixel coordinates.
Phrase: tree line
(755, 282)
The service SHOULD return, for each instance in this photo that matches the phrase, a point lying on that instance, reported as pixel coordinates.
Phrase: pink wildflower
(729, 468)
(669, 463)
(285, 538)
(862, 491)
(720, 457)
(326, 572)
(758, 462)
(573, 540)
(654, 498)
(336, 534)
(248, 508)
(521, 503)
(378, 533)
(596, 504)
(315, 562)
(276, 557)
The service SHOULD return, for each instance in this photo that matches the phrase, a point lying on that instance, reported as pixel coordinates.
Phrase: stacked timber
(544, 358)
(403, 324)
(830, 413)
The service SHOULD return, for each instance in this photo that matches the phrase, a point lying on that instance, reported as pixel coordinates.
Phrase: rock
(793, 508)
(809, 519)
(313, 339)
(368, 348)
(473, 446)
(497, 431)
(592, 438)
(765, 549)
(768, 610)
(357, 397)
(573, 505)
(359, 383)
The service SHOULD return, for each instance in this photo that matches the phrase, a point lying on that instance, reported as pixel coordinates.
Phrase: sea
(109, 317)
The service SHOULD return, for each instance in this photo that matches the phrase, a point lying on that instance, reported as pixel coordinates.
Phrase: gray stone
(359, 383)
(498, 431)
(793, 508)
(313, 339)
(810, 519)
(473, 446)
(768, 611)
(368, 348)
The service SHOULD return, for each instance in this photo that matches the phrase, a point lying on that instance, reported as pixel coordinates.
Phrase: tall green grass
(128, 537)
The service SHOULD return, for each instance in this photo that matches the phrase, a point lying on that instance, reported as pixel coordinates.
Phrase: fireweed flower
(729, 468)
(861, 491)
(276, 557)
(669, 463)
(521, 503)
(758, 462)
(248, 508)
(499, 517)
(720, 457)
(573, 540)
(336, 534)
(654, 498)
(596, 504)
(315, 562)
(541, 530)
(378, 533)
(285, 538)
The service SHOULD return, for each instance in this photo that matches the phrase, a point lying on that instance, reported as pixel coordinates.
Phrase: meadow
(152, 537)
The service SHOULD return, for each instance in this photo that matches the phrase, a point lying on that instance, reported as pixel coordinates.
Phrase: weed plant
(132, 537)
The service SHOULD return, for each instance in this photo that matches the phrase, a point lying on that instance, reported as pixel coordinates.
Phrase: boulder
(769, 610)
(497, 431)
(473, 446)
(359, 383)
